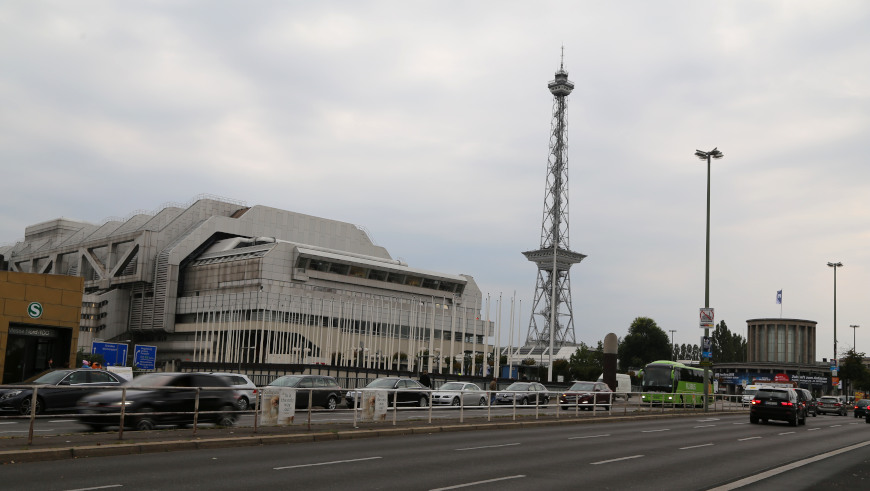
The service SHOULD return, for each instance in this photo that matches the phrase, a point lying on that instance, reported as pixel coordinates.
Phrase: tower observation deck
(551, 305)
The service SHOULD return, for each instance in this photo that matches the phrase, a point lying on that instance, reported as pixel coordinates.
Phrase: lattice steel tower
(552, 302)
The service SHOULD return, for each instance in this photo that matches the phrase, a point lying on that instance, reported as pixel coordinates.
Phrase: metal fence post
(123, 413)
(33, 402)
(195, 411)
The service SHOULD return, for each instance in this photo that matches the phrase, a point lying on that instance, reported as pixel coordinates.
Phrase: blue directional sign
(115, 354)
(144, 356)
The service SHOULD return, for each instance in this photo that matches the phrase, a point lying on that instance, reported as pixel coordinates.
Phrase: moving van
(623, 385)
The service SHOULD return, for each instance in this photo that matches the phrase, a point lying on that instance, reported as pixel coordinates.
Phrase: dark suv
(832, 404)
(778, 404)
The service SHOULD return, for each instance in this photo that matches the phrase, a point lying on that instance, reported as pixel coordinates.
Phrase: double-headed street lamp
(672, 343)
(835, 266)
(854, 326)
(712, 154)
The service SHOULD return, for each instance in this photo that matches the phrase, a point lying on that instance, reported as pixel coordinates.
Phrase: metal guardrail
(633, 403)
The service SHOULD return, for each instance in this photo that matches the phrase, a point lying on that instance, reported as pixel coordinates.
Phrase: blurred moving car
(407, 392)
(860, 407)
(807, 399)
(55, 390)
(157, 393)
(779, 404)
(525, 393)
(325, 391)
(832, 404)
(456, 393)
(246, 393)
(587, 395)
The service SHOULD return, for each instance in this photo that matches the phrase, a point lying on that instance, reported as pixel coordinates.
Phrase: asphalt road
(690, 452)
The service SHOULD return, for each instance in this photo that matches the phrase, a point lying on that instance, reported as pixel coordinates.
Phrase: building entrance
(33, 349)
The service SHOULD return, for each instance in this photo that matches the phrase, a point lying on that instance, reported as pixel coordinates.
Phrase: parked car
(324, 391)
(778, 404)
(525, 393)
(456, 393)
(832, 404)
(158, 393)
(807, 399)
(55, 390)
(587, 395)
(407, 392)
(860, 407)
(246, 393)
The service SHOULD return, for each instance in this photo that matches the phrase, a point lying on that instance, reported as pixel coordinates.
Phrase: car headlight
(11, 394)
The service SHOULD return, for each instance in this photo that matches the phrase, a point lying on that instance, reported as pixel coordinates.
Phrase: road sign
(115, 354)
(706, 319)
(144, 356)
(34, 310)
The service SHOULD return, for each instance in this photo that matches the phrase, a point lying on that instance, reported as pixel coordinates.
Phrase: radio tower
(552, 322)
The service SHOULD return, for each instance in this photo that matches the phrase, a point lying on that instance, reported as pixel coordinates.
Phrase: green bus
(670, 382)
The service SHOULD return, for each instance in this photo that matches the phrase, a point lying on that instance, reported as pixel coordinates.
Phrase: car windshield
(382, 383)
(452, 386)
(750, 392)
(657, 377)
(830, 399)
(52, 378)
(582, 386)
(152, 380)
(286, 381)
(776, 395)
(520, 386)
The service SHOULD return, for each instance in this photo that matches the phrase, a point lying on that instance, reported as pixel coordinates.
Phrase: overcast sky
(428, 124)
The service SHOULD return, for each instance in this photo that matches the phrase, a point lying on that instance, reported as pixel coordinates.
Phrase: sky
(427, 123)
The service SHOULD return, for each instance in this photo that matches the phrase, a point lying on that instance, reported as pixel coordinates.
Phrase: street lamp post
(835, 266)
(672, 343)
(854, 326)
(712, 154)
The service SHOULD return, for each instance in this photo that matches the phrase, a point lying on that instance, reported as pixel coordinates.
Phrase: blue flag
(779, 297)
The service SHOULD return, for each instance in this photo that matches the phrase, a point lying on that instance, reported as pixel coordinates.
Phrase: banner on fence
(373, 405)
(278, 406)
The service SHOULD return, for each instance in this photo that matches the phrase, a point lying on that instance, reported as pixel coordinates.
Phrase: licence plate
(772, 403)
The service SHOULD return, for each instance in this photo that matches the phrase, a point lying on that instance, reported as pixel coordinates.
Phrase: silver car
(246, 391)
(450, 393)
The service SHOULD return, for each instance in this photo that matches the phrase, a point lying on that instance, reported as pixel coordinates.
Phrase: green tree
(727, 346)
(586, 363)
(852, 371)
(645, 342)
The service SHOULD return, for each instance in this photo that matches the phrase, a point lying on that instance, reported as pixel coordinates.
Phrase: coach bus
(669, 382)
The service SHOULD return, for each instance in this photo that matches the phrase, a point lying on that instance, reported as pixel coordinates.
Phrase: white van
(623, 385)
(749, 392)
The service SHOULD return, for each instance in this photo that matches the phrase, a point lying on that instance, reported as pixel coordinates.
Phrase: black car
(525, 393)
(56, 390)
(164, 392)
(324, 391)
(777, 404)
(407, 392)
(807, 399)
(860, 407)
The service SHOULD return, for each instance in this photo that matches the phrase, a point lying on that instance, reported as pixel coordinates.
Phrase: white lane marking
(744, 423)
(8, 422)
(814, 429)
(465, 485)
(488, 446)
(750, 438)
(653, 431)
(697, 446)
(779, 470)
(616, 460)
(590, 436)
(325, 463)
(787, 433)
(98, 487)
(704, 426)
(834, 426)
(708, 420)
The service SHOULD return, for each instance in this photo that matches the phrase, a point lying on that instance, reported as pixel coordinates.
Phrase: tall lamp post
(672, 343)
(854, 326)
(712, 154)
(835, 266)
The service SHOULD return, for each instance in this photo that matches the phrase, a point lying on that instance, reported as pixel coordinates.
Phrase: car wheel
(226, 418)
(455, 402)
(24, 408)
(242, 404)
(146, 422)
(607, 407)
(482, 401)
(764, 420)
(753, 419)
(796, 420)
(524, 402)
(423, 402)
(331, 403)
